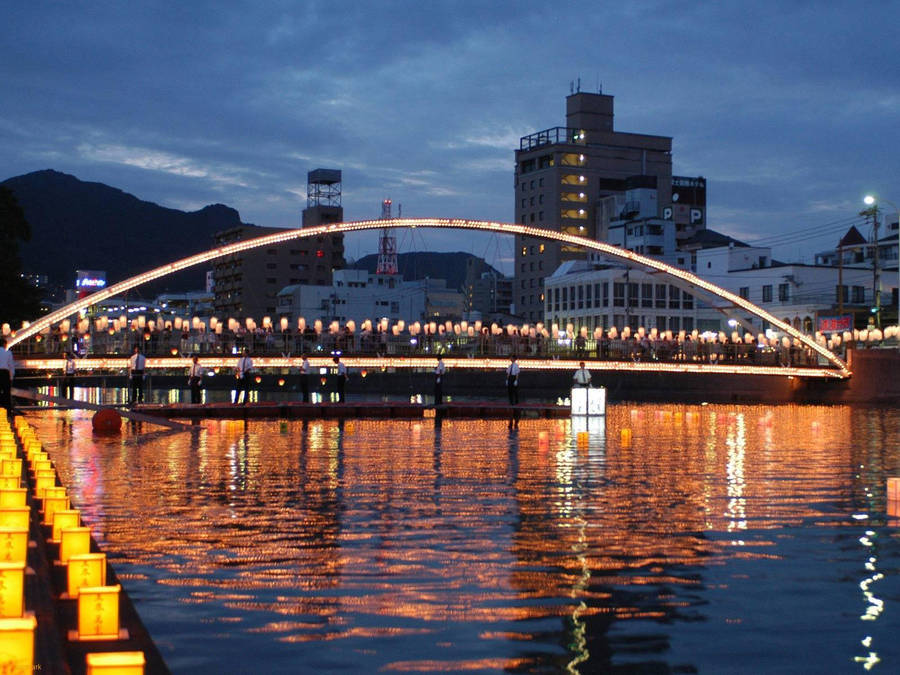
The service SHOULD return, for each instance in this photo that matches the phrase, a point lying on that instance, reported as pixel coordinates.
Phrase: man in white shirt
(7, 375)
(304, 378)
(69, 376)
(582, 376)
(439, 371)
(195, 378)
(136, 365)
(512, 380)
(341, 378)
(244, 369)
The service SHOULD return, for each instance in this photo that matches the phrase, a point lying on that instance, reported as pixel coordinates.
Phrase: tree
(19, 299)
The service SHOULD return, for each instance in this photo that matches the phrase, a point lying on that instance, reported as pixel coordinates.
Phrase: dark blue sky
(790, 109)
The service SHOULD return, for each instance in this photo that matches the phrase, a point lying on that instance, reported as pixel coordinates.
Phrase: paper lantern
(53, 491)
(13, 544)
(42, 481)
(115, 663)
(893, 489)
(13, 496)
(17, 645)
(15, 517)
(62, 519)
(11, 467)
(74, 541)
(12, 589)
(52, 505)
(98, 613)
(86, 569)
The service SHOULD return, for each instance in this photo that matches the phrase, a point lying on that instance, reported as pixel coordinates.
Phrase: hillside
(82, 225)
(449, 266)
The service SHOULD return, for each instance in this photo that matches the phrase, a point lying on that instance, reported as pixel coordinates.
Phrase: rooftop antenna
(579, 85)
(571, 86)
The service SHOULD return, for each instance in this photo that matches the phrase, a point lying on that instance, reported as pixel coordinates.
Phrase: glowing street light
(873, 200)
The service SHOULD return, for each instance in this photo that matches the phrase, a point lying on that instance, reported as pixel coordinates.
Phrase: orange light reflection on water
(365, 529)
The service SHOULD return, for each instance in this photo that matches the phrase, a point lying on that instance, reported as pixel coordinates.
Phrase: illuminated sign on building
(835, 324)
(89, 280)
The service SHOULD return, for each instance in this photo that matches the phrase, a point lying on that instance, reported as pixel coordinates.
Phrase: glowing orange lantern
(98, 613)
(87, 569)
(17, 644)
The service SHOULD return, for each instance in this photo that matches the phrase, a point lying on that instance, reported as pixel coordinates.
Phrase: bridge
(819, 361)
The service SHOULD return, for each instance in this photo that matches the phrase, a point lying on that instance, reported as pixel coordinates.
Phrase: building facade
(246, 284)
(564, 177)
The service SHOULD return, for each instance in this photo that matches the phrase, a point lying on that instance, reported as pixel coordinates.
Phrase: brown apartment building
(564, 176)
(247, 283)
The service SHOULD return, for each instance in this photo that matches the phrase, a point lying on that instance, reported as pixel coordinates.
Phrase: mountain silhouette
(91, 226)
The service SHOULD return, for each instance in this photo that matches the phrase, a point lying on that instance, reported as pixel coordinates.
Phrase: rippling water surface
(665, 539)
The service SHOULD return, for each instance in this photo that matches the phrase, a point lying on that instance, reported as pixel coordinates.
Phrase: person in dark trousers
(69, 376)
(512, 381)
(7, 375)
(195, 380)
(439, 371)
(136, 365)
(341, 378)
(304, 378)
(244, 373)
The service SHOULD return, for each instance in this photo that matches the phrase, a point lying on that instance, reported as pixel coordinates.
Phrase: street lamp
(872, 200)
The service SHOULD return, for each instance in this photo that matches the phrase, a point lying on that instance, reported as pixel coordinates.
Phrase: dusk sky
(791, 110)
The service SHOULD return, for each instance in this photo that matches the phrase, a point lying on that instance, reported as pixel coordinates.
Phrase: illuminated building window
(580, 197)
(573, 179)
(574, 214)
(572, 159)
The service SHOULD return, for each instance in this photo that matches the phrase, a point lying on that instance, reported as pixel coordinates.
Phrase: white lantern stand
(588, 401)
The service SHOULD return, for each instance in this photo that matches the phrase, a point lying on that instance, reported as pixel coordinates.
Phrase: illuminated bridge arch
(678, 276)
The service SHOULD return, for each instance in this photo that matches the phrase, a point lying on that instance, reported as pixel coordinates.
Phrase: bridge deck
(354, 410)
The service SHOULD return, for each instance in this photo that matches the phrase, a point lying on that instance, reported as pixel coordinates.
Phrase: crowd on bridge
(429, 339)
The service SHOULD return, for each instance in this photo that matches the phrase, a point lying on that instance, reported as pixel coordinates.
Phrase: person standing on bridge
(195, 379)
(512, 380)
(136, 365)
(341, 378)
(69, 376)
(244, 370)
(7, 375)
(304, 378)
(582, 376)
(439, 371)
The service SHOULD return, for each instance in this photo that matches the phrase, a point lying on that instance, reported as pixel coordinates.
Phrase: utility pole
(876, 281)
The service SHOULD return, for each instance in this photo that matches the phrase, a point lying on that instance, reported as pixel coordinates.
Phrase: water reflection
(464, 545)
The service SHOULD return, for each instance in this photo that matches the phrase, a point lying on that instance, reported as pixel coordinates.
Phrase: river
(661, 539)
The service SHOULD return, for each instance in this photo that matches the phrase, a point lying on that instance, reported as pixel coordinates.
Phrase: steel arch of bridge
(683, 277)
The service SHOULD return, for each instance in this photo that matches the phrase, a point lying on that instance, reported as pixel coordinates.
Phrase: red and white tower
(387, 245)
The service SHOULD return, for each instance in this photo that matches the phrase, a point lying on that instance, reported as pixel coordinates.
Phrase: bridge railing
(276, 343)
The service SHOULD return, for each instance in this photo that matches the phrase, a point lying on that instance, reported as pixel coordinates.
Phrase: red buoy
(107, 421)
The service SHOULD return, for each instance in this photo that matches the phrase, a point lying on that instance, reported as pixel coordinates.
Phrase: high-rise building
(564, 179)
(247, 283)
